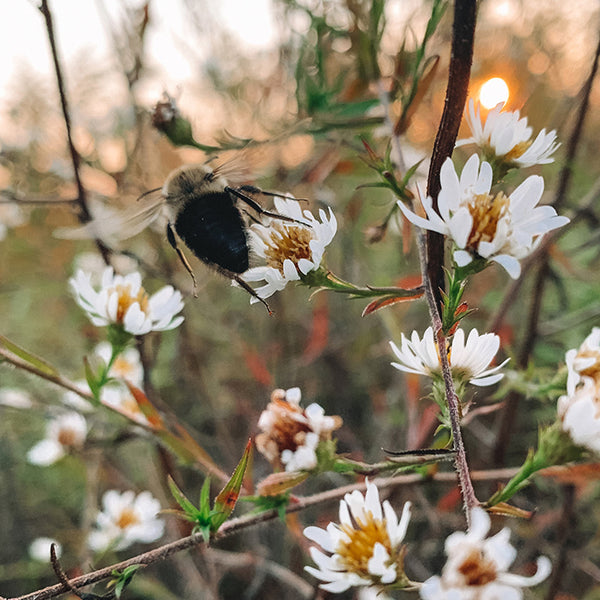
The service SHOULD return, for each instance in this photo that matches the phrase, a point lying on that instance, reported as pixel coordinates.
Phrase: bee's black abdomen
(212, 227)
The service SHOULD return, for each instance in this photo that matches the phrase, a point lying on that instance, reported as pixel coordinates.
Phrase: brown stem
(463, 34)
(84, 213)
(242, 523)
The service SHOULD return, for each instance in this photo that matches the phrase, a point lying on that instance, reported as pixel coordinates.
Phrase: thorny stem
(84, 213)
(463, 35)
(242, 523)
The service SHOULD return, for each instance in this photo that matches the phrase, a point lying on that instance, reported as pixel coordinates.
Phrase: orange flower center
(126, 300)
(127, 518)
(486, 211)
(593, 370)
(477, 570)
(358, 549)
(287, 241)
(122, 367)
(67, 437)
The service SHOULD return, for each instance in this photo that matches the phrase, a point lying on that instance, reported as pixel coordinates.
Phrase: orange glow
(493, 91)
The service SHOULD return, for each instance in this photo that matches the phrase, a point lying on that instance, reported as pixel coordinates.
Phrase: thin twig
(242, 523)
(463, 35)
(84, 213)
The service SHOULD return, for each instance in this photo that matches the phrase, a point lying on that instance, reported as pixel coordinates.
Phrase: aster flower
(15, 398)
(365, 549)
(579, 414)
(469, 360)
(65, 432)
(290, 434)
(584, 361)
(477, 567)
(290, 250)
(127, 365)
(120, 400)
(506, 138)
(125, 520)
(502, 229)
(39, 549)
(122, 301)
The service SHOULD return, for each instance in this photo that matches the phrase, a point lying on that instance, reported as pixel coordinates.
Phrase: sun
(492, 92)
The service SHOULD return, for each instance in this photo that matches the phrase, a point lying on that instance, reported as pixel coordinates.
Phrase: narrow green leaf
(32, 359)
(226, 500)
(181, 499)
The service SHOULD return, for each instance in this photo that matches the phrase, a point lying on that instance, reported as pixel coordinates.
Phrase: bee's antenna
(148, 193)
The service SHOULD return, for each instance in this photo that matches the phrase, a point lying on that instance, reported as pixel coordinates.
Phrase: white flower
(39, 549)
(290, 250)
(123, 301)
(93, 264)
(62, 433)
(507, 137)
(125, 520)
(468, 361)
(502, 229)
(75, 401)
(120, 399)
(580, 415)
(584, 361)
(477, 568)
(365, 549)
(14, 398)
(290, 434)
(126, 366)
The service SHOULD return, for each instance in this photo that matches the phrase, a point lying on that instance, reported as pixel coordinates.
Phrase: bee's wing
(237, 168)
(110, 224)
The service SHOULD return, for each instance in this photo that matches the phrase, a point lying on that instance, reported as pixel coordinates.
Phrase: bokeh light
(493, 91)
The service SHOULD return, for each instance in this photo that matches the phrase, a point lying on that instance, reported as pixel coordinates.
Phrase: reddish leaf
(388, 301)
(450, 501)
(319, 333)
(257, 366)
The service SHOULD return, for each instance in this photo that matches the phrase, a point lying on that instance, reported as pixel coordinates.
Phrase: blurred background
(304, 74)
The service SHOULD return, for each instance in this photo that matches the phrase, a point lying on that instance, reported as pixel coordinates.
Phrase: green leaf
(226, 500)
(181, 499)
(32, 359)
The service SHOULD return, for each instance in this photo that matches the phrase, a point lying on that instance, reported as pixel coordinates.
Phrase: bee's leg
(257, 207)
(252, 189)
(182, 258)
(250, 290)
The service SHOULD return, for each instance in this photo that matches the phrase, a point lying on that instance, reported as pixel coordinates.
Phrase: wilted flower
(290, 250)
(14, 398)
(125, 520)
(469, 361)
(39, 549)
(65, 432)
(505, 137)
(122, 301)
(498, 228)
(584, 362)
(290, 434)
(477, 568)
(365, 549)
(127, 365)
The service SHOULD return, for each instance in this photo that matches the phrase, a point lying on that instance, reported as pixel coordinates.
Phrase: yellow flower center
(122, 367)
(593, 370)
(517, 151)
(126, 300)
(486, 211)
(477, 570)
(287, 241)
(127, 518)
(358, 549)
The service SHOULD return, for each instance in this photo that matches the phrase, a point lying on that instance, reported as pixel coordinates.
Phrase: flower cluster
(477, 567)
(125, 520)
(365, 549)
(290, 249)
(122, 301)
(290, 434)
(469, 361)
(579, 409)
